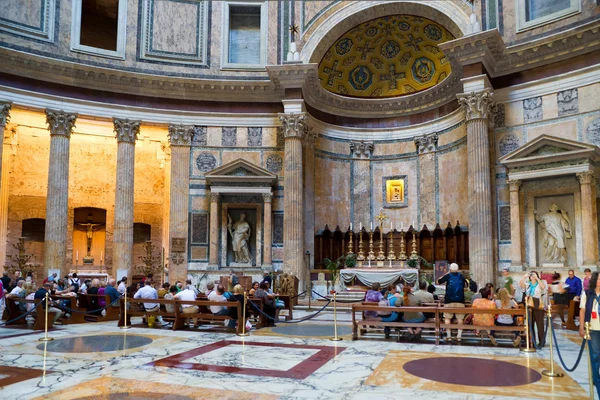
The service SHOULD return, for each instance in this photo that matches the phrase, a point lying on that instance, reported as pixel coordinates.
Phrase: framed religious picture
(394, 191)
(178, 245)
(441, 269)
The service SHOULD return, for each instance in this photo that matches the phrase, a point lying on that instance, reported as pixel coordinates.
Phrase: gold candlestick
(361, 255)
(350, 244)
(402, 256)
(391, 255)
(413, 253)
(371, 255)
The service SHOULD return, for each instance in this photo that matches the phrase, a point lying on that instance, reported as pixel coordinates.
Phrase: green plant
(333, 267)
(350, 261)
(415, 262)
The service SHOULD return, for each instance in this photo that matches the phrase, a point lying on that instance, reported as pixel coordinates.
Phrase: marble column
(213, 251)
(477, 108)
(126, 133)
(515, 223)
(268, 230)
(4, 171)
(4, 118)
(180, 139)
(61, 126)
(308, 168)
(293, 217)
(589, 219)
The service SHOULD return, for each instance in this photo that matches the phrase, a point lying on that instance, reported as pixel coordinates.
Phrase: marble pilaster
(180, 139)
(589, 218)
(268, 230)
(361, 189)
(4, 118)
(61, 126)
(293, 217)
(126, 133)
(4, 190)
(213, 252)
(515, 223)
(477, 107)
(426, 147)
(308, 160)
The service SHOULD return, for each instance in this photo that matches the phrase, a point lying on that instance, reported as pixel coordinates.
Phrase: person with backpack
(455, 297)
(74, 283)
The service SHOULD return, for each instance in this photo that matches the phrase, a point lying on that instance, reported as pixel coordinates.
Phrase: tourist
(148, 292)
(40, 295)
(588, 312)
(83, 289)
(74, 283)
(26, 294)
(179, 286)
(188, 285)
(186, 294)
(233, 279)
(394, 299)
(112, 292)
(51, 278)
(410, 300)
(586, 279)
(267, 277)
(454, 297)
(210, 287)
(468, 293)
(373, 296)
(574, 286)
(505, 302)
(17, 289)
(122, 285)
(507, 282)
(559, 296)
(164, 289)
(431, 289)
(269, 302)
(486, 302)
(5, 280)
(93, 304)
(253, 289)
(218, 295)
(101, 292)
(170, 308)
(425, 297)
(536, 292)
(238, 295)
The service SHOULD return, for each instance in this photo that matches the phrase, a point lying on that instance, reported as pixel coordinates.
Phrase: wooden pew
(469, 310)
(289, 306)
(112, 312)
(252, 311)
(135, 311)
(76, 317)
(203, 316)
(573, 312)
(39, 314)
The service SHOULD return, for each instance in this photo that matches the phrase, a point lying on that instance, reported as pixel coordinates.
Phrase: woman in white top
(536, 291)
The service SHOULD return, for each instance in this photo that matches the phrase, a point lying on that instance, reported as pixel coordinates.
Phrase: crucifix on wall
(89, 229)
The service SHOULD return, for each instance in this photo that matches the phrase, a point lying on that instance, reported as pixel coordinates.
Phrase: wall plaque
(178, 245)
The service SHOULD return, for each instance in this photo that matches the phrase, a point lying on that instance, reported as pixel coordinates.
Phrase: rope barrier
(290, 322)
(21, 316)
(67, 309)
(298, 295)
(560, 356)
(339, 301)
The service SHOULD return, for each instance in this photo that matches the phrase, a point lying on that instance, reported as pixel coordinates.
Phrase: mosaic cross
(332, 73)
(365, 50)
(392, 77)
(414, 42)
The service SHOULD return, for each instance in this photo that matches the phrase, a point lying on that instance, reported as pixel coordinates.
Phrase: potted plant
(334, 268)
(350, 261)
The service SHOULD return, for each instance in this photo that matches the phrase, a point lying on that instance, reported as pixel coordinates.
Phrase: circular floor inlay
(310, 330)
(136, 396)
(96, 343)
(472, 371)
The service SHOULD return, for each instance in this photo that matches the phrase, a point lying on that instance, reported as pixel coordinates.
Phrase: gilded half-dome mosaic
(386, 57)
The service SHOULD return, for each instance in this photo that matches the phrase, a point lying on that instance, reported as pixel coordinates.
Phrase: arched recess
(447, 13)
(89, 236)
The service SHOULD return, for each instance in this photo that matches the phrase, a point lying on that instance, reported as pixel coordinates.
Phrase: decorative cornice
(60, 123)
(427, 143)
(293, 125)
(5, 113)
(180, 135)
(267, 197)
(586, 178)
(126, 130)
(476, 105)
(360, 149)
(514, 185)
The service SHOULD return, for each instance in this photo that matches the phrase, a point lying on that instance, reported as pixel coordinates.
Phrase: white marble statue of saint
(557, 229)
(240, 234)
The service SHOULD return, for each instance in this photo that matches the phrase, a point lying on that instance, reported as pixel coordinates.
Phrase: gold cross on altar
(381, 217)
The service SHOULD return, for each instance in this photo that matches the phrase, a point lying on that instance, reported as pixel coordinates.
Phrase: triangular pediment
(550, 149)
(241, 171)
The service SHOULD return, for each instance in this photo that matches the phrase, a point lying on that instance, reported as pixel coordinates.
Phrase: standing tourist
(455, 297)
(536, 291)
(588, 312)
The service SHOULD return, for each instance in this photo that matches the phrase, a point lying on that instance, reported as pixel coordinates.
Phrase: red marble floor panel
(301, 370)
(11, 375)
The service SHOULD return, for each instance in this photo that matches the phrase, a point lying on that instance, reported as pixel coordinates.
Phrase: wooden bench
(470, 310)
(76, 317)
(289, 306)
(136, 311)
(85, 302)
(573, 312)
(204, 314)
(39, 314)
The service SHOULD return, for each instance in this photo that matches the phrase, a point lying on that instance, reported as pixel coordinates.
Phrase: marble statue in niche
(240, 235)
(557, 229)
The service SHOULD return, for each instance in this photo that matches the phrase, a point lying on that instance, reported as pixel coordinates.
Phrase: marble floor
(290, 361)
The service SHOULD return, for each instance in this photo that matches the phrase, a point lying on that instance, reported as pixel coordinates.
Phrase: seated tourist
(373, 296)
(505, 302)
(426, 298)
(468, 293)
(179, 285)
(394, 299)
(17, 289)
(431, 289)
(148, 292)
(190, 286)
(74, 283)
(40, 295)
(269, 302)
(218, 295)
(279, 304)
(101, 292)
(163, 290)
(210, 287)
(170, 308)
(410, 300)
(93, 304)
(186, 295)
(24, 294)
(122, 288)
(253, 289)
(486, 302)
(238, 295)
(112, 292)
(84, 287)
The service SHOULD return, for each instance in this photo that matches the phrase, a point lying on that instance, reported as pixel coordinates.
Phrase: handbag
(535, 303)
(383, 303)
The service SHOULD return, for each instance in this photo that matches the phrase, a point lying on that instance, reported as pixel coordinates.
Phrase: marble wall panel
(564, 129)
(29, 167)
(427, 190)
(242, 137)
(568, 102)
(175, 26)
(254, 137)
(199, 252)
(588, 98)
(499, 116)
(200, 137)
(504, 222)
(250, 156)
(23, 12)
(533, 110)
(229, 136)
(453, 186)
(508, 142)
(332, 192)
(452, 136)
(278, 228)
(274, 162)
(393, 168)
(341, 147)
(513, 113)
(214, 135)
(200, 203)
(592, 130)
(395, 148)
(269, 137)
(549, 106)
(204, 161)
(311, 9)
(199, 224)
(361, 190)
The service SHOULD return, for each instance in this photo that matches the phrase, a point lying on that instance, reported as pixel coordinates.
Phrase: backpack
(455, 288)
(75, 283)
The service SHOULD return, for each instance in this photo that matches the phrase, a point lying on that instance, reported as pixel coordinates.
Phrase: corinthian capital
(293, 125)
(60, 122)
(476, 105)
(586, 177)
(426, 143)
(215, 197)
(267, 197)
(310, 137)
(5, 113)
(126, 130)
(360, 149)
(180, 135)
(514, 185)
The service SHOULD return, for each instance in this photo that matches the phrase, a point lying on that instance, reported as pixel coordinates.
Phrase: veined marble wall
(572, 113)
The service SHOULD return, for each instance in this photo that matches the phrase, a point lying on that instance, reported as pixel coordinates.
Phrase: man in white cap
(454, 297)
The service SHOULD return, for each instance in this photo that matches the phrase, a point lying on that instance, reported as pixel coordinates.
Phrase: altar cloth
(385, 277)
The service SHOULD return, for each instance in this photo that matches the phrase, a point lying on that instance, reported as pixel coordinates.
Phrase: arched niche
(89, 236)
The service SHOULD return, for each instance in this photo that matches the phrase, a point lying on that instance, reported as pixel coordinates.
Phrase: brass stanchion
(125, 326)
(588, 337)
(244, 333)
(46, 338)
(528, 348)
(545, 372)
(309, 295)
(335, 335)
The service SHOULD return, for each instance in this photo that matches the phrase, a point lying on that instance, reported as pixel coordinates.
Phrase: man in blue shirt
(575, 285)
(112, 292)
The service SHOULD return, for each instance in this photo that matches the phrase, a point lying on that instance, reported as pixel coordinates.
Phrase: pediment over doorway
(241, 171)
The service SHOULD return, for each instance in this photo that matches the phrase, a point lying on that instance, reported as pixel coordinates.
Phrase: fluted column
(213, 252)
(61, 126)
(589, 218)
(268, 231)
(477, 107)
(515, 223)
(180, 138)
(293, 217)
(4, 170)
(126, 133)
(4, 118)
